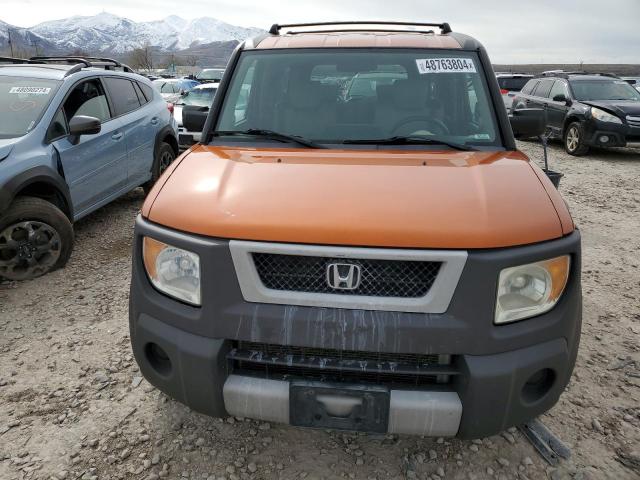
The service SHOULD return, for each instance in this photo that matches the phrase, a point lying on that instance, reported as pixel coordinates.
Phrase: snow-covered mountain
(23, 40)
(106, 32)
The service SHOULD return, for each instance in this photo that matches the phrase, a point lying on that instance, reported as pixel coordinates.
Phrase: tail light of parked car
(504, 91)
(170, 107)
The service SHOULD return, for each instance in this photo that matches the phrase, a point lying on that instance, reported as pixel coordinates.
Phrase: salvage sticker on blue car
(31, 90)
(445, 65)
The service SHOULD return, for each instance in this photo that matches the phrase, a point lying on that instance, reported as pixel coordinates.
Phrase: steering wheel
(433, 125)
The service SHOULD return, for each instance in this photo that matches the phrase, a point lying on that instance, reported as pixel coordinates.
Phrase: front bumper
(488, 394)
(604, 134)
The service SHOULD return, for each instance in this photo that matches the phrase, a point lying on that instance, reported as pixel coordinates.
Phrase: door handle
(117, 136)
(154, 121)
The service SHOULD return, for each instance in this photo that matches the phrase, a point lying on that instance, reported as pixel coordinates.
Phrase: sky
(513, 31)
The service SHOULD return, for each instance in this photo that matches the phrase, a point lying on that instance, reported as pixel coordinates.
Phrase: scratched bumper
(494, 363)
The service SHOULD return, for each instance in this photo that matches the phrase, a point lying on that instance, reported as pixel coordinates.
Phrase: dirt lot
(72, 403)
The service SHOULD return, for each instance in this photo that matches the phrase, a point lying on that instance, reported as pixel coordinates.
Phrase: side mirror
(83, 125)
(194, 117)
(528, 122)
(562, 98)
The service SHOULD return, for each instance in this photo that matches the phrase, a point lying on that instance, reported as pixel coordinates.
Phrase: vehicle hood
(6, 146)
(618, 107)
(419, 199)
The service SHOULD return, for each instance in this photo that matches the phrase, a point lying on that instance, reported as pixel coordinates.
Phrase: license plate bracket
(339, 407)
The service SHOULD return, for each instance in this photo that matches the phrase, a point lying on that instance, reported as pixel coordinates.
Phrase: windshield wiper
(402, 140)
(270, 134)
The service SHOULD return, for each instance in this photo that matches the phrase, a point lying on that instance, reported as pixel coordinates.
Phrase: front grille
(633, 121)
(378, 278)
(289, 362)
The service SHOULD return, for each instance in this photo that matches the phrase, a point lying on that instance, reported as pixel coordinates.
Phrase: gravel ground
(73, 404)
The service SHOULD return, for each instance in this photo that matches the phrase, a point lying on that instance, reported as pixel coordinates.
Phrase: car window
(58, 127)
(240, 93)
(23, 100)
(512, 84)
(530, 86)
(88, 98)
(123, 95)
(543, 88)
(141, 98)
(332, 96)
(605, 89)
(147, 90)
(559, 88)
(201, 97)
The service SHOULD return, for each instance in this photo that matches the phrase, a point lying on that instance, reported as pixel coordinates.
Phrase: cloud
(549, 31)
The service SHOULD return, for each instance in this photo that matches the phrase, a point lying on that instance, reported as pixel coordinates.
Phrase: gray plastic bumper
(410, 412)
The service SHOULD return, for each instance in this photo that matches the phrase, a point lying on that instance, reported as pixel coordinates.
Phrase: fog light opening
(158, 358)
(538, 385)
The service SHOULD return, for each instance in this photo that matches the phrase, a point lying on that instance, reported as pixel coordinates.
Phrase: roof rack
(563, 74)
(444, 27)
(83, 62)
(14, 60)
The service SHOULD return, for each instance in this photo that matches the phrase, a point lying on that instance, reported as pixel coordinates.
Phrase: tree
(141, 58)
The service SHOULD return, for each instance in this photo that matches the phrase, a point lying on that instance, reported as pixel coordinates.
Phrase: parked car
(633, 81)
(510, 84)
(172, 89)
(585, 110)
(208, 75)
(389, 264)
(74, 135)
(199, 99)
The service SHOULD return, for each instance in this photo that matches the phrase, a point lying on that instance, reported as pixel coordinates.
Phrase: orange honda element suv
(356, 243)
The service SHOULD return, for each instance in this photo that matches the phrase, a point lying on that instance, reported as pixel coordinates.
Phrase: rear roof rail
(276, 28)
(83, 62)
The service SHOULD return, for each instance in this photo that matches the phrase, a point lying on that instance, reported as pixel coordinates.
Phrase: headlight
(530, 290)
(604, 116)
(172, 270)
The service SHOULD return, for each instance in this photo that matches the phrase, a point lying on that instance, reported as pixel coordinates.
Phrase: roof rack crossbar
(358, 30)
(275, 28)
(84, 62)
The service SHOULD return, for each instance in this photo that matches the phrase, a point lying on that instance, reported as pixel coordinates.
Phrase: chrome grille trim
(436, 300)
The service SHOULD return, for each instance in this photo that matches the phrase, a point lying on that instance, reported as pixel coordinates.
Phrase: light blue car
(75, 134)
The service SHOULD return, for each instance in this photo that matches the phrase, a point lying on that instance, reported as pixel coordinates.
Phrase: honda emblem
(343, 276)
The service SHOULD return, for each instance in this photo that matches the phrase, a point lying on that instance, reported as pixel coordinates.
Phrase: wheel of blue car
(35, 238)
(165, 155)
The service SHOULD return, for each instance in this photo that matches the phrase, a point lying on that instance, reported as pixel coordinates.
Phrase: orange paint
(359, 40)
(394, 198)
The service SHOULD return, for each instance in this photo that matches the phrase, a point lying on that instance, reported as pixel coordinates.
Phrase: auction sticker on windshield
(445, 65)
(30, 90)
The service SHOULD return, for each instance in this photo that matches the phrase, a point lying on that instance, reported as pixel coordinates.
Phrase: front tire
(35, 238)
(574, 140)
(164, 157)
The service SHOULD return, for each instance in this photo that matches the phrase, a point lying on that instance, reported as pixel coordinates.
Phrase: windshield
(211, 74)
(200, 97)
(604, 90)
(23, 100)
(334, 96)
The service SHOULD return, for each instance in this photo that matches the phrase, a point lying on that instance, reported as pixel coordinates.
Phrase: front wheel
(574, 140)
(35, 238)
(164, 157)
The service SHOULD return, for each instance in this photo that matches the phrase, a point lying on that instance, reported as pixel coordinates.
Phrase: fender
(161, 135)
(39, 174)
